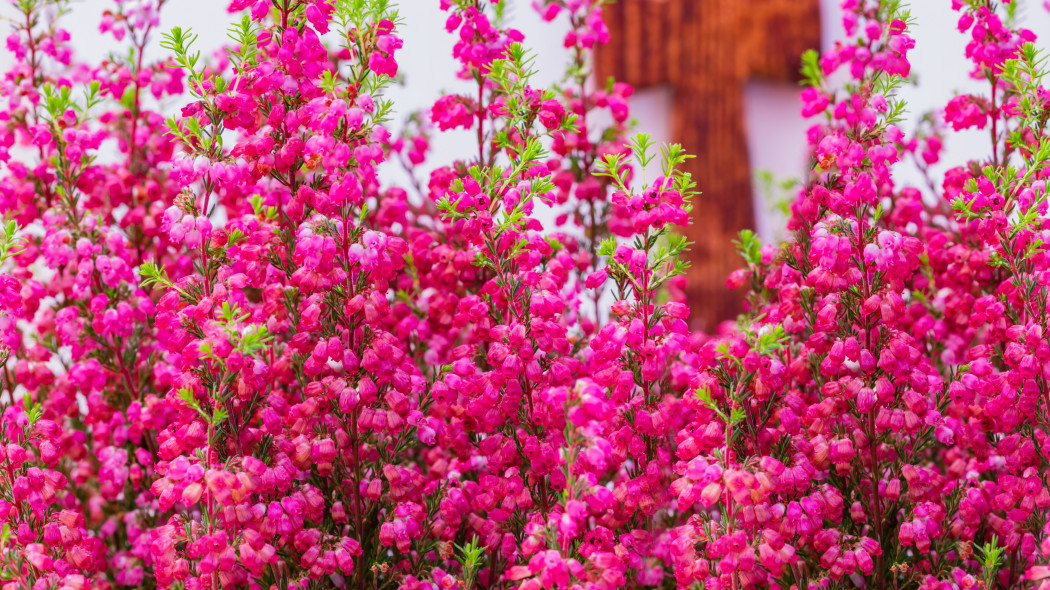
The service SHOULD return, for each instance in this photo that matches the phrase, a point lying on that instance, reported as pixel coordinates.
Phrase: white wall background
(776, 130)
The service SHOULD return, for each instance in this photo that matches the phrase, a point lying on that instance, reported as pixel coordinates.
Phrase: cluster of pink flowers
(234, 357)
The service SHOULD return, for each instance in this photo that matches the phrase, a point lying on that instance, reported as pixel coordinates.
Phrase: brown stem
(995, 121)
(873, 447)
(140, 47)
(481, 120)
(359, 521)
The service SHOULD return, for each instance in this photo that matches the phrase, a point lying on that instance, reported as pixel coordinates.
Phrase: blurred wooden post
(706, 50)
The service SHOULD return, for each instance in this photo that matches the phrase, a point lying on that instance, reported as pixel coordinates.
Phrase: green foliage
(640, 145)
(247, 339)
(358, 14)
(891, 10)
(235, 236)
(1025, 75)
(613, 167)
(34, 412)
(888, 86)
(769, 341)
(9, 241)
(245, 38)
(991, 559)
(812, 73)
(351, 17)
(674, 155)
(188, 130)
(735, 415)
(214, 418)
(56, 101)
(262, 210)
(180, 42)
(470, 559)
(750, 247)
(153, 274)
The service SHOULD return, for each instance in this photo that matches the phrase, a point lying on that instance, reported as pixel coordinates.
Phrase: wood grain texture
(707, 50)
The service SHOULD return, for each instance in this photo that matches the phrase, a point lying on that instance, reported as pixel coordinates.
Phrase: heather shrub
(235, 357)
(879, 420)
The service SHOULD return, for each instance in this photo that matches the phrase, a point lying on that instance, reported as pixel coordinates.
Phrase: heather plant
(879, 420)
(235, 357)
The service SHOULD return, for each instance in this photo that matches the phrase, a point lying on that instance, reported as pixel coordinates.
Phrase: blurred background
(718, 76)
